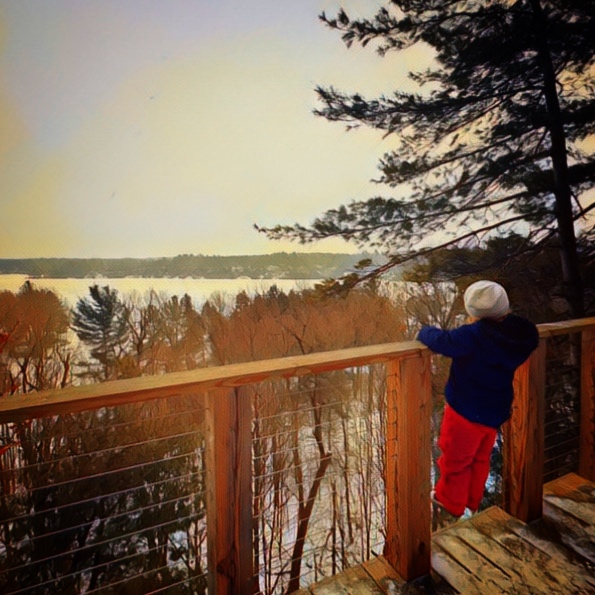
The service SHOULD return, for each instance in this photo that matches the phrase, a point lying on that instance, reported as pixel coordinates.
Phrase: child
(478, 393)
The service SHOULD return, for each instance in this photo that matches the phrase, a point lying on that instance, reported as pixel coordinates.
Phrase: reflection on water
(199, 290)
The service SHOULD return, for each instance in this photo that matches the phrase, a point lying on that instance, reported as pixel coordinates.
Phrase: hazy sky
(160, 127)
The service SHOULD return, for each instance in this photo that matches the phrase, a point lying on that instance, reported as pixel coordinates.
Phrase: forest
(108, 336)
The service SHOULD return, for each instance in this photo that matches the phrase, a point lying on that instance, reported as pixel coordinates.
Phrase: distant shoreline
(280, 265)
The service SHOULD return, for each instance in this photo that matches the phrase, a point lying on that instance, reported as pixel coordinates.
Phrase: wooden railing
(407, 483)
(524, 433)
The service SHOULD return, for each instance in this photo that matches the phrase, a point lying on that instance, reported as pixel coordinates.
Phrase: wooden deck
(493, 552)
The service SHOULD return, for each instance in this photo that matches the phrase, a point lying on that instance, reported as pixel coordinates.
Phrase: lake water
(71, 290)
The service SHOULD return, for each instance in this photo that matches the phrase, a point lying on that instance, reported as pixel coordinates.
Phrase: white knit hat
(486, 299)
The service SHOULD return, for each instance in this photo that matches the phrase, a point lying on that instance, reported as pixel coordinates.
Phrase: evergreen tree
(100, 322)
(496, 143)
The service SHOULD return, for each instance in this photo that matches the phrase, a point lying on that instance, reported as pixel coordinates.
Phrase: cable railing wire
(102, 498)
(176, 586)
(97, 454)
(315, 437)
(324, 427)
(114, 427)
(62, 578)
(97, 476)
(99, 544)
(105, 495)
(56, 534)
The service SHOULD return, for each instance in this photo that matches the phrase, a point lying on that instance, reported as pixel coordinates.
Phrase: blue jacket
(485, 355)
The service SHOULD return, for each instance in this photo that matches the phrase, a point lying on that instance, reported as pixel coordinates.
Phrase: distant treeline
(267, 266)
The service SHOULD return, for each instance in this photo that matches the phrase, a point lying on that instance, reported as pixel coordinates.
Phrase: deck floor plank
(385, 576)
(560, 575)
(493, 578)
(353, 581)
(569, 507)
(540, 535)
(492, 552)
(455, 573)
(521, 570)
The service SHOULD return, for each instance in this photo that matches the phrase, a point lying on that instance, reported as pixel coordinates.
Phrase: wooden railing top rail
(551, 329)
(20, 407)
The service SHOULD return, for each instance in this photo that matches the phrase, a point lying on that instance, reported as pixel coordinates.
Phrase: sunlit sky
(147, 128)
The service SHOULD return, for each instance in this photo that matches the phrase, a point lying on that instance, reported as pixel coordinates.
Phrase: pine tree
(100, 322)
(494, 141)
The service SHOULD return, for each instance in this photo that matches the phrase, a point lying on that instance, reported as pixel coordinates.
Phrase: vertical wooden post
(587, 428)
(229, 492)
(408, 463)
(524, 440)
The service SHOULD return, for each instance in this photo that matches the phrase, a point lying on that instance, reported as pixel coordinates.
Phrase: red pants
(464, 463)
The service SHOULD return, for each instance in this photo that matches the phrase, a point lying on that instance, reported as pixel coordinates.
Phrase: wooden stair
(493, 552)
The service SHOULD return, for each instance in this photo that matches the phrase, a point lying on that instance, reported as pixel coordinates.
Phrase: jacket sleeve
(458, 342)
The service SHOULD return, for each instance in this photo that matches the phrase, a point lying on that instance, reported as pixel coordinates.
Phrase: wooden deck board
(491, 577)
(447, 566)
(514, 536)
(353, 581)
(569, 507)
(521, 571)
(384, 575)
(495, 553)
(374, 577)
(544, 540)
(534, 560)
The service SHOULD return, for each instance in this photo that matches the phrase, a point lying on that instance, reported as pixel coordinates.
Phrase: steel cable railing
(331, 424)
(562, 406)
(321, 457)
(105, 498)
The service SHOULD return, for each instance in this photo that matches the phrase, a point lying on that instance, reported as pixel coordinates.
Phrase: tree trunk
(307, 505)
(304, 516)
(571, 275)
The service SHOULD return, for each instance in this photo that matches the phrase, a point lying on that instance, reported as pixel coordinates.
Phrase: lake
(71, 290)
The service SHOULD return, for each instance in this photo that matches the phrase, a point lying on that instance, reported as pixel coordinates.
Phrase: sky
(149, 128)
